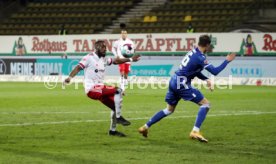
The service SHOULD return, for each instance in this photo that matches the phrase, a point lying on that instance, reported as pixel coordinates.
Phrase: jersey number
(186, 59)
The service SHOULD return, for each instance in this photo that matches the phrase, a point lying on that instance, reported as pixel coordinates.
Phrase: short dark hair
(204, 40)
(123, 27)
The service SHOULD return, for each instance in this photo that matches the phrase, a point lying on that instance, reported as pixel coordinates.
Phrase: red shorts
(103, 93)
(124, 68)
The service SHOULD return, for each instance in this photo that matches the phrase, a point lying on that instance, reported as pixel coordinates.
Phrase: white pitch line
(44, 112)
(177, 111)
(104, 112)
(142, 118)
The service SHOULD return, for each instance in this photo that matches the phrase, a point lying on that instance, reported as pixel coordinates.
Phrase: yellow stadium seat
(154, 19)
(146, 19)
(187, 18)
(150, 19)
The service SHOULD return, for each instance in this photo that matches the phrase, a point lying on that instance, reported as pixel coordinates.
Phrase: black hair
(204, 40)
(123, 26)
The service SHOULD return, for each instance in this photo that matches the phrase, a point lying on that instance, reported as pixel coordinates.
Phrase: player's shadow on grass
(50, 157)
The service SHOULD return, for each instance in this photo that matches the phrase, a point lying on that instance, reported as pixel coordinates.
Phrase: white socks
(196, 129)
(117, 113)
(167, 112)
(113, 121)
(123, 83)
(118, 104)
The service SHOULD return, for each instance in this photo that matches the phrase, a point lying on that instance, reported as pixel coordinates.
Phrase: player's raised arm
(216, 70)
(73, 73)
(134, 58)
(231, 57)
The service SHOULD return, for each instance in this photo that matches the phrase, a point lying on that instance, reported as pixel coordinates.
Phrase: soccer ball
(127, 50)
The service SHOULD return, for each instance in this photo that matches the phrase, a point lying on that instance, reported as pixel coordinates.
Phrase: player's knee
(170, 109)
(168, 112)
(119, 91)
(206, 105)
(94, 95)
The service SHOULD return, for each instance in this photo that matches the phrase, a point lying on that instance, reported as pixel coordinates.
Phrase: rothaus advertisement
(251, 44)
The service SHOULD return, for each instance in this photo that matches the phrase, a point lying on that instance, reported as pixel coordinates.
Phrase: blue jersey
(192, 64)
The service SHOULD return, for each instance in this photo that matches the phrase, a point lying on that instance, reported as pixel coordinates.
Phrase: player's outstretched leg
(118, 104)
(157, 117)
(195, 133)
(113, 123)
(112, 97)
(113, 131)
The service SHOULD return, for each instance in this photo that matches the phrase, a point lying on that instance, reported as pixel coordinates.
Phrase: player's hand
(209, 85)
(135, 58)
(67, 80)
(230, 57)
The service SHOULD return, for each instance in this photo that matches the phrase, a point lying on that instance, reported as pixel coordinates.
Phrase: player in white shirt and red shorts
(116, 50)
(94, 65)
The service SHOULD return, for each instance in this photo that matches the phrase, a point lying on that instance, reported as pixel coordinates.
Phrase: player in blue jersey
(180, 86)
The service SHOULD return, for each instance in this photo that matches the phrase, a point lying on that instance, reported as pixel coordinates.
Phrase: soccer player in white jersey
(116, 50)
(94, 65)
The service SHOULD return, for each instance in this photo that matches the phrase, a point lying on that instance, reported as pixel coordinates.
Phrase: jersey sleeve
(84, 62)
(210, 68)
(216, 70)
(203, 62)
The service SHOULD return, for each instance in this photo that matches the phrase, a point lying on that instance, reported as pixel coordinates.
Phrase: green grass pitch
(38, 125)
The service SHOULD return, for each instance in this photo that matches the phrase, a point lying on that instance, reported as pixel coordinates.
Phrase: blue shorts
(188, 93)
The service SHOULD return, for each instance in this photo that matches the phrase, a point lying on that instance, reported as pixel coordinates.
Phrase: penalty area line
(141, 118)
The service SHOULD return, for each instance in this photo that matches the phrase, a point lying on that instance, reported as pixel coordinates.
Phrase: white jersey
(116, 48)
(94, 69)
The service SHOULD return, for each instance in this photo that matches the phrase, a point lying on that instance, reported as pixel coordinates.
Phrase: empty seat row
(61, 15)
(76, 9)
(80, 4)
